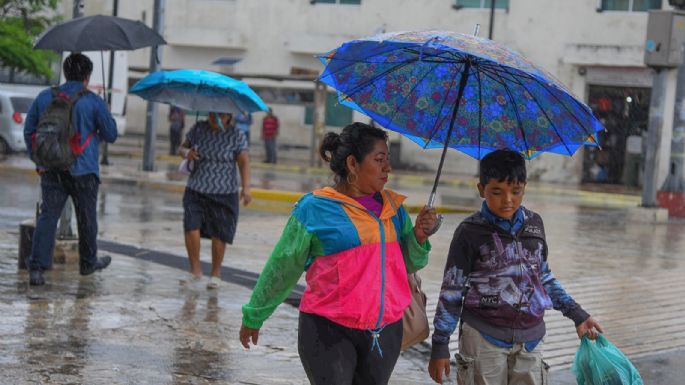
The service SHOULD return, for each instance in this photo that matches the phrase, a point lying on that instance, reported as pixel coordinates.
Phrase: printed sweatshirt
(503, 281)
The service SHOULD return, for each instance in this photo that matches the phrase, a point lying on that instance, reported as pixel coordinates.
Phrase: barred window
(502, 4)
(630, 5)
(356, 2)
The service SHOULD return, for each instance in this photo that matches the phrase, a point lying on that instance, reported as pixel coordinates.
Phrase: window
(8, 75)
(337, 115)
(501, 4)
(272, 95)
(356, 2)
(630, 5)
(21, 104)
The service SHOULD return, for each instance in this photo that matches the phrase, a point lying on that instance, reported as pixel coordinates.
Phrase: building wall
(271, 36)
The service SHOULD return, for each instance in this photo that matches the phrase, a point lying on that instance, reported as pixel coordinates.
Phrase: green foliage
(21, 21)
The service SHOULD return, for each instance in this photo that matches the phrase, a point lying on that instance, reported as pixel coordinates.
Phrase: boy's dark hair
(356, 139)
(502, 165)
(77, 67)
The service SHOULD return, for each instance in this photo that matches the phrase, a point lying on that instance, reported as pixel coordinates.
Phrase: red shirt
(269, 127)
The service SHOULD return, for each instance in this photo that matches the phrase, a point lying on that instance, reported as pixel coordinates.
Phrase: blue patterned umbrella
(445, 89)
(198, 90)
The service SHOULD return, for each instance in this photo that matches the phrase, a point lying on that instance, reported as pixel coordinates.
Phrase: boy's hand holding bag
(602, 363)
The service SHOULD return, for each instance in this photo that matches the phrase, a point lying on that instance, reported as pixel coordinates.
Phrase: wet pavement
(133, 324)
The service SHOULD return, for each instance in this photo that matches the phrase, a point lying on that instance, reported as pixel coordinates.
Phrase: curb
(420, 180)
(279, 196)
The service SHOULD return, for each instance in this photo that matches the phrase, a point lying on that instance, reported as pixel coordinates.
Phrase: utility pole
(318, 121)
(672, 192)
(663, 53)
(654, 130)
(675, 181)
(64, 231)
(151, 116)
(492, 18)
(108, 91)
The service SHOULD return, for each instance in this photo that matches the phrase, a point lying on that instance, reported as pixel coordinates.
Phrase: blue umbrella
(445, 89)
(199, 90)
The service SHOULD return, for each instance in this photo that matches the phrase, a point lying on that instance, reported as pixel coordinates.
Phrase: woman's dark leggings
(335, 355)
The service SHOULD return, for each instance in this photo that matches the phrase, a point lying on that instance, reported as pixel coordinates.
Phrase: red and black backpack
(56, 143)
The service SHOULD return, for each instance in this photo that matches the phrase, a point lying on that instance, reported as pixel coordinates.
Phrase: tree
(21, 22)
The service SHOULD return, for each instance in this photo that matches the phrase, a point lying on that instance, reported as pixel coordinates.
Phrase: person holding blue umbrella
(215, 148)
(443, 89)
(212, 151)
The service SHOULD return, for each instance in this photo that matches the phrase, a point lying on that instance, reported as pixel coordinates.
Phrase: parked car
(13, 109)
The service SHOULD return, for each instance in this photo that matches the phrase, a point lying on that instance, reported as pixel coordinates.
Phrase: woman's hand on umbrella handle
(245, 195)
(426, 223)
(247, 334)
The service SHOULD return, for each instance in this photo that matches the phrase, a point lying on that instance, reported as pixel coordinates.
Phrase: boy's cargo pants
(481, 363)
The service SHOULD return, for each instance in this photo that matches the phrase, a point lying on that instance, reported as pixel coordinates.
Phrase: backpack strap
(75, 141)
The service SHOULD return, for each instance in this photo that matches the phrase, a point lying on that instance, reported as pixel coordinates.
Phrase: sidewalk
(296, 161)
(287, 181)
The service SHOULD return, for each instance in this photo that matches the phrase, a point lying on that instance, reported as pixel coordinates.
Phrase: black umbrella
(97, 33)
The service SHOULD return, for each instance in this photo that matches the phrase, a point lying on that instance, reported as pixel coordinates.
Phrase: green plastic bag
(602, 363)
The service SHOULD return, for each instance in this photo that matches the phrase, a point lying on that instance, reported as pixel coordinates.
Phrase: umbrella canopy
(199, 90)
(97, 33)
(469, 93)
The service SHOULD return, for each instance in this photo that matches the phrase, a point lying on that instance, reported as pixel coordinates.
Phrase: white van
(119, 85)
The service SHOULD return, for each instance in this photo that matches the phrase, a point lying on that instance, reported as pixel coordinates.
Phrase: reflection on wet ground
(120, 326)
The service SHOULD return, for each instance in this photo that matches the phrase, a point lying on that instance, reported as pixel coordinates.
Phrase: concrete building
(594, 47)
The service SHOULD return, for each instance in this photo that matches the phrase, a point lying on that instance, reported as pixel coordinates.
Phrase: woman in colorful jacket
(356, 243)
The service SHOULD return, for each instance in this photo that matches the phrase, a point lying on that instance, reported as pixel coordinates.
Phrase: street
(132, 324)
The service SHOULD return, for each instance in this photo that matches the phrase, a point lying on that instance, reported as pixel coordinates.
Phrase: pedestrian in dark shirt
(177, 119)
(270, 128)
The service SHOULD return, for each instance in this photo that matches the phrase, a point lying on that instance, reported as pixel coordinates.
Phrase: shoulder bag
(414, 320)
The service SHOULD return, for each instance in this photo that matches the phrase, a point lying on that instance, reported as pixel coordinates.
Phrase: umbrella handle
(437, 226)
(431, 202)
(431, 199)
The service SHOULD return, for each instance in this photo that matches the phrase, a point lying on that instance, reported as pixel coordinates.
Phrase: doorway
(624, 112)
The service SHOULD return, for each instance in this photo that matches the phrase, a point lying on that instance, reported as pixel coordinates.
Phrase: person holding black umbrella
(79, 177)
